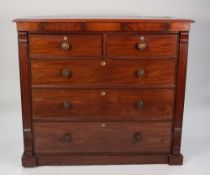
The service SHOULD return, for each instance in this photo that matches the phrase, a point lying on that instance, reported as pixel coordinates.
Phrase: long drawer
(102, 104)
(144, 73)
(98, 137)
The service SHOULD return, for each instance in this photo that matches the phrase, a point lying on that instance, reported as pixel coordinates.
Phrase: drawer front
(98, 137)
(141, 46)
(148, 73)
(64, 46)
(102, 104)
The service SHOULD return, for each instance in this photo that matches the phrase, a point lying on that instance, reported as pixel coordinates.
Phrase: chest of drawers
(102, 91)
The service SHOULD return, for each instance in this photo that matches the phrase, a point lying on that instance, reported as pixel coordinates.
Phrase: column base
(28, 160)
(175, 159)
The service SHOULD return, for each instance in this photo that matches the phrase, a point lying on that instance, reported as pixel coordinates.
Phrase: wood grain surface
(158, 73)
(50, 45)
(118, 45)
(93, 137)
(91, 105)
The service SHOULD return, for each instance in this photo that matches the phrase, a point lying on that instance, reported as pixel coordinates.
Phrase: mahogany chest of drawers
(102, 91)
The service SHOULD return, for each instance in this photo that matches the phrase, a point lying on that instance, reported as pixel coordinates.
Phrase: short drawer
(102, 104)
(142, 73)
(141, 46)
(102, 137)
(64, 46)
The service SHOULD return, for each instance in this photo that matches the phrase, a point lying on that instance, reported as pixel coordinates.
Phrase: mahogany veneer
(90, 105)
(93, 137)
(81, 45)
(157, 73)
(102, 91)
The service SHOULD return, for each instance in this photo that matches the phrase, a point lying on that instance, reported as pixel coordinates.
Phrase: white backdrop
(196, 137)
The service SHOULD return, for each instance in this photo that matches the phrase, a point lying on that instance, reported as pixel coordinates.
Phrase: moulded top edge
(101, 19)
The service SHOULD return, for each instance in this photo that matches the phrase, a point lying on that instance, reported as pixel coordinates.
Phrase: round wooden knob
(66, 73)
(142, 45)
(65, 46)
(138, 137)
(140, 73)
(67, 105)
(67, 138)
(139, 104)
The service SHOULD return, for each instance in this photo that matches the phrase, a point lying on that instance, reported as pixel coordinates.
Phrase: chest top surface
(136, 23)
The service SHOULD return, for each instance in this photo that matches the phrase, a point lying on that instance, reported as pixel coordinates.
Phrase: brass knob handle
(139, 104)
(142, 45)
(67, 105)
(103, 93)
(66, 73)
(140, 73)
(67, 138)
(103, 63)
(138, 137)
(65, 46)
(103, 125)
